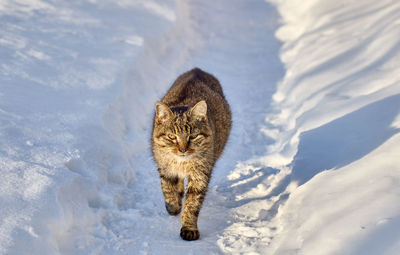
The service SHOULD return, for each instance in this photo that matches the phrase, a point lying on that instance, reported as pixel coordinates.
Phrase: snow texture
(312, 164)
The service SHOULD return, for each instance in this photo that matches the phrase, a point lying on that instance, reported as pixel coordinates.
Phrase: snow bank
(334, 121)
(61, 67)
(343, 60)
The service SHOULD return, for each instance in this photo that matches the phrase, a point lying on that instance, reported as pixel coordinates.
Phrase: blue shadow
(346, 139)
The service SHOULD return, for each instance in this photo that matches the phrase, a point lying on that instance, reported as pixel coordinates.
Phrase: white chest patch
(180, 166)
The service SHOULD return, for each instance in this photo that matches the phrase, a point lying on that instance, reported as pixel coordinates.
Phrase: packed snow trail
(224, 39)
(106, 198)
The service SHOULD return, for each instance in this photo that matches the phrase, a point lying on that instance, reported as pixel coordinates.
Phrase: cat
(190, 129)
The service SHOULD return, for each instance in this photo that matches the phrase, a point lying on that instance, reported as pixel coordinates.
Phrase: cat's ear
(199, 111)
(162, 112)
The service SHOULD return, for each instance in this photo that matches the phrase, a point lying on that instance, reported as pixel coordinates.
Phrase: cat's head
(183, 132)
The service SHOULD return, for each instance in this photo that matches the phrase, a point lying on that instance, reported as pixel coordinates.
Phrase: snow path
(106, 198)
(206, 35)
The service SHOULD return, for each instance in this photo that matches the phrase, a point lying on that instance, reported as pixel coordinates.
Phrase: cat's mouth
(184, 156)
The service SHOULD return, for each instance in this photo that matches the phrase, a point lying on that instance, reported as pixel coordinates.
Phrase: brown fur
(191, 127)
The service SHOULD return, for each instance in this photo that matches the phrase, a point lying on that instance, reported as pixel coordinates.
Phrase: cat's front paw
(189, 234)
(172, 209)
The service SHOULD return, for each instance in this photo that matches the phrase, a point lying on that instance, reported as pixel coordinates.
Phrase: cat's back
(193, 86)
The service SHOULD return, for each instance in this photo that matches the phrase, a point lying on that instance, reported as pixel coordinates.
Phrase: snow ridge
(332, 119)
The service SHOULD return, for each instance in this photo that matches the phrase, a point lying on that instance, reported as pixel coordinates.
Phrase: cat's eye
(194, 136)
(172, 137)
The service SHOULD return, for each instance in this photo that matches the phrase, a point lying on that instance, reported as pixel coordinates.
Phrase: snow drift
(335, 123)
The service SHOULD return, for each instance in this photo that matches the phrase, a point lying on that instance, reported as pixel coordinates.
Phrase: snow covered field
(313, 161)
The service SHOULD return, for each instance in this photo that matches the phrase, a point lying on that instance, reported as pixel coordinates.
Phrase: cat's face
(182, 132)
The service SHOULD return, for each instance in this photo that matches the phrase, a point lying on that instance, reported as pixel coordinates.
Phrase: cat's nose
(182, 147)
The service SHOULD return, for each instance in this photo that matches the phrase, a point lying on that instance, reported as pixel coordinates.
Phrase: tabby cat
(191, 126)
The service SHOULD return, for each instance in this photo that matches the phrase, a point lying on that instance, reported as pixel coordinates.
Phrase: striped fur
(191, 127)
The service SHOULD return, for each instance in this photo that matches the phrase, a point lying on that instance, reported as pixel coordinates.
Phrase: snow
(312, 164)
